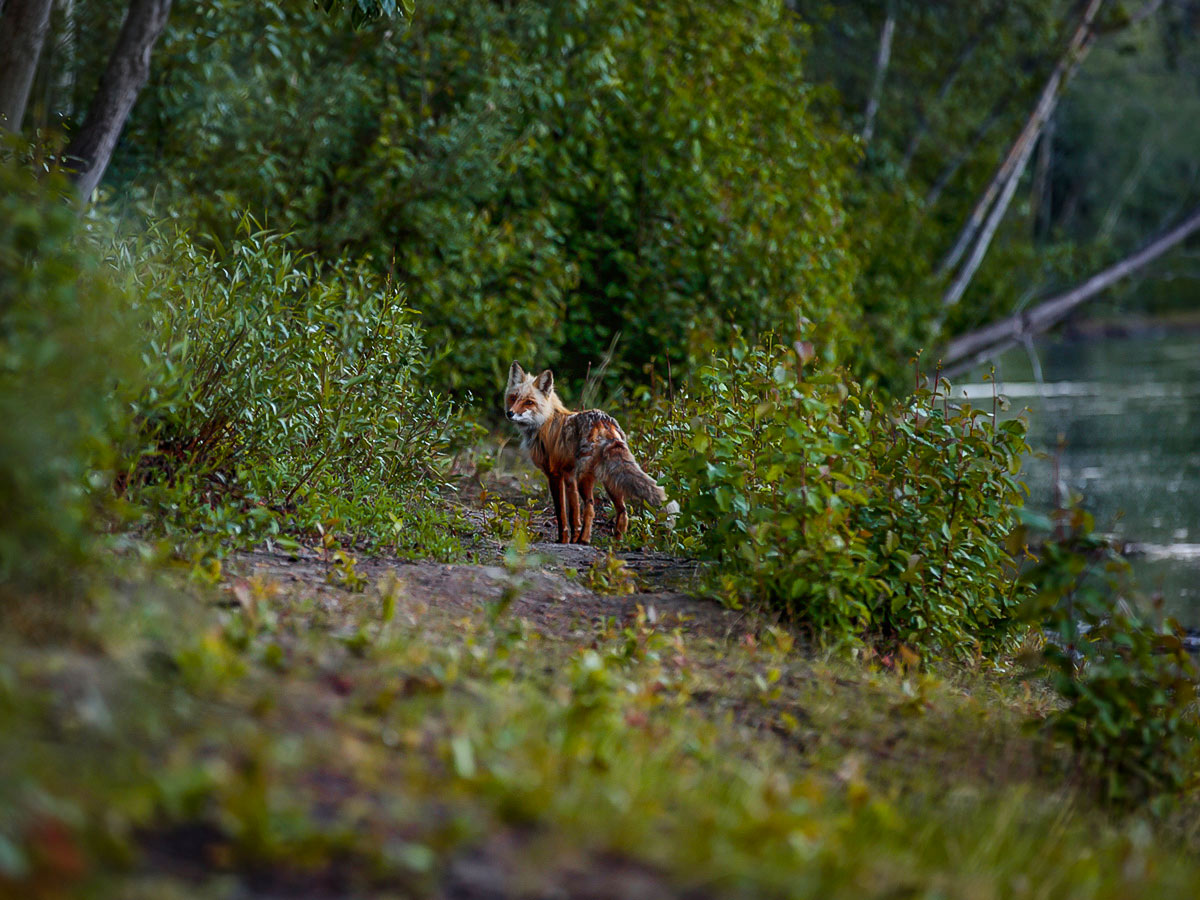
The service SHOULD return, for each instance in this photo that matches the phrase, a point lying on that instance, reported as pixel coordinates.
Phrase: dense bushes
(273, 394)
(851, 515)
(278, 389)
(65, 339)
(1128, 685)
(541, 177)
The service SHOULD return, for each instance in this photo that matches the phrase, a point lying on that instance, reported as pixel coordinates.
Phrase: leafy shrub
(64, 339)
(542, 177)
(279, 388)
(851, 515)
(1128, 686)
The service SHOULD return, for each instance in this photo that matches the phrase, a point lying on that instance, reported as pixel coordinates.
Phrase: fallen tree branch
(974, 346)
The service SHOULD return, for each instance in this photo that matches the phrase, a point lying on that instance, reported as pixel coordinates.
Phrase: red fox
(575, 450)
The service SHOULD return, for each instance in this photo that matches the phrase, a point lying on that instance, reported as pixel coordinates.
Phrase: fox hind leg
(619, 508)
(586, 486)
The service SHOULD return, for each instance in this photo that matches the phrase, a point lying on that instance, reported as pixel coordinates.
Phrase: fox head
(529, 401)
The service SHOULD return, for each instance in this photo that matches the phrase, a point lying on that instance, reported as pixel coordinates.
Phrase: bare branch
(881, 65)
(983, 342)
(1013, 164)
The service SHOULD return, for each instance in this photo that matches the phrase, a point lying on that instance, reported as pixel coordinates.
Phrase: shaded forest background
(326, 230)
(551, 180)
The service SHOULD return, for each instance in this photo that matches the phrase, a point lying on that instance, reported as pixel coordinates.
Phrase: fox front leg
(558, 486)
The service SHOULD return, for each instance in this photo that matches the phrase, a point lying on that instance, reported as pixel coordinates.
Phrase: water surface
(1127, 411)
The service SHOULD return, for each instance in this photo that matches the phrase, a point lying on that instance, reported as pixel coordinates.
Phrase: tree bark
(88, 154)
(984, 342)
(23, 31)
(882, 61)
(980, 221)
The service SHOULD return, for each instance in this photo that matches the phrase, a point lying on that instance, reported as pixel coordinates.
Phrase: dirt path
(543, 590)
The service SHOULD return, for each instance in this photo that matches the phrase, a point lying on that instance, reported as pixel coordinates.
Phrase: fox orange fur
(575, 450)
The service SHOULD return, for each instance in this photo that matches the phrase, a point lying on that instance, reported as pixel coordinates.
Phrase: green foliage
(384, 745)
(280, 391)
(608, 574)
(541, 177)
(65, 337)
(363, 11)
(1120, 171)
(856, 517)
(1128, 686)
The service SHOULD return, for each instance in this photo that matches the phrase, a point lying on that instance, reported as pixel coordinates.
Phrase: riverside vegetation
(243, 447)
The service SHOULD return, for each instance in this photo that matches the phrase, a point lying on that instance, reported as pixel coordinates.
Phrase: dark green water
(1128, 411)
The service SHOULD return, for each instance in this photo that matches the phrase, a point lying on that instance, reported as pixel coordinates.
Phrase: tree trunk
(1013, 165)
(22, 33)
(968, 349)
(128, 68)
(881, 66)
(996, 215)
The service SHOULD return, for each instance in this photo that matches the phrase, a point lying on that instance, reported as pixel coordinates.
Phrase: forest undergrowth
(320, 722)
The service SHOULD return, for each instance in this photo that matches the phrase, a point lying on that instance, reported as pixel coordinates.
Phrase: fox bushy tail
(620, 471)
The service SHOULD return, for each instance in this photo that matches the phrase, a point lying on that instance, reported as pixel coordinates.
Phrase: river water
(1127, 410)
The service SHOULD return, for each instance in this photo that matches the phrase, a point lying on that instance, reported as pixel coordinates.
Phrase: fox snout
(511, 414)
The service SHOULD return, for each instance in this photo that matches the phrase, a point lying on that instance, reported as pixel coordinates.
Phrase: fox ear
(545, 382)
(515, 374)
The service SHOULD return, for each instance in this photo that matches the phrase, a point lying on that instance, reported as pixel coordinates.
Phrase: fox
(575, 450)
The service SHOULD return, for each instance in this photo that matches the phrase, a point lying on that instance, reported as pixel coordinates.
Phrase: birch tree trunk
(995, 216)
(23, 28)
(882, 60)
(88, 154)
(985, 217)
